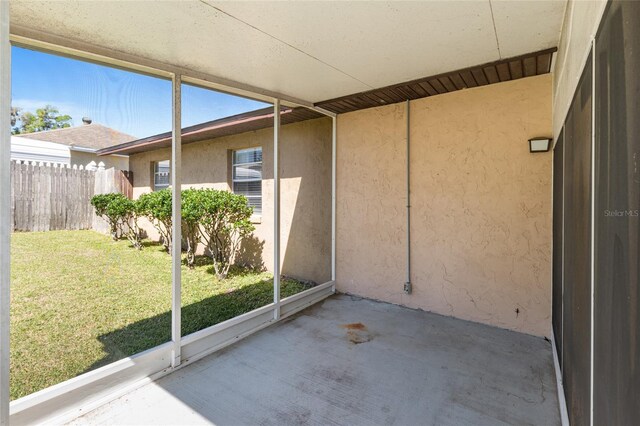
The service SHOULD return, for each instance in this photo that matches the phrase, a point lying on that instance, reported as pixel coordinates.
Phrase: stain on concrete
(355, 326)
(357, 338)
(357, 333)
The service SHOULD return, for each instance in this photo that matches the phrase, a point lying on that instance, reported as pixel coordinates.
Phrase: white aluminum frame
(176, 219)
(5, 207)
(593, 224)
(560, 357)
(67, 400)
(276, 208)
(34, 39)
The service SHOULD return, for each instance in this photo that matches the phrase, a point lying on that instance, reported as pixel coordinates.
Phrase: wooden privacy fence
(47, 197)
(123, 181)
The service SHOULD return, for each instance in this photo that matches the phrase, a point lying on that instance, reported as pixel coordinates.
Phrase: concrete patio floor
(352, 361)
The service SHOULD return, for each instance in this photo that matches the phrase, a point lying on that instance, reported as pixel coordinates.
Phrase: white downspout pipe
(407, 283)
(334, 138)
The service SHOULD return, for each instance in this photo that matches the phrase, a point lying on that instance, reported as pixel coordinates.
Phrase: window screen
(161, 175)
(576, 309)
(247, 176)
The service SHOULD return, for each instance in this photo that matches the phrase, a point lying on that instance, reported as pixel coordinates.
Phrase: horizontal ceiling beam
(39, 40)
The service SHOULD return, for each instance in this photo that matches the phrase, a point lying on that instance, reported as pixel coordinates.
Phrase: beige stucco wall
(84, 158)
(481, 204)
(305, 191)
(581, 21)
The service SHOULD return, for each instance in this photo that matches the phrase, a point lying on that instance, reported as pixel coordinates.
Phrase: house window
(161, 175)
(247, 176)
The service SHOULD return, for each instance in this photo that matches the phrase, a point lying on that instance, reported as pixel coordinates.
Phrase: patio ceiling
(313, 51)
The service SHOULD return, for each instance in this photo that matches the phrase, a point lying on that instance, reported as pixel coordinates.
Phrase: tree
(47, 118)
(15, 114)
(224, 224)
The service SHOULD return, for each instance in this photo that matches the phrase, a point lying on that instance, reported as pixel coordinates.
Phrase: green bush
(128, 211)
(122, 215)
(224, 223)
(157, 207)
(218, 219)
(191, 217)
(101, 203)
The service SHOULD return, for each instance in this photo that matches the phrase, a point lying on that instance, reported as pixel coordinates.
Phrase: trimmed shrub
(223, 225)
(157, 207)
(217, 219)
(128, 211)
(122, 215)
(191, 217)
(101, 202)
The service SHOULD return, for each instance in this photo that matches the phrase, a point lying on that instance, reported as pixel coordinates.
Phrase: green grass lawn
(80, 301)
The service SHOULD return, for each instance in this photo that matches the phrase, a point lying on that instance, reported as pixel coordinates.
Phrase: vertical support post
(564, 168)
(334, 145)
(176, 221)
(593, 219)
(276, 208)
(5, 203)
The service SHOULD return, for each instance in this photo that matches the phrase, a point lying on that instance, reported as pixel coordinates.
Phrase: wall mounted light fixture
(539, 144)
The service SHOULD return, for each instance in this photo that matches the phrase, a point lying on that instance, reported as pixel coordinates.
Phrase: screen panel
(558, 169)
(577, 252)
(88, 287)
(617, 239)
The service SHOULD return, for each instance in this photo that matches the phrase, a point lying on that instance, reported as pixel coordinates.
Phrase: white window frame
(156, 173)
(234, 180)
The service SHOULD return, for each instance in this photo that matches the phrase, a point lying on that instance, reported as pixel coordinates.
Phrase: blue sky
(131, 103)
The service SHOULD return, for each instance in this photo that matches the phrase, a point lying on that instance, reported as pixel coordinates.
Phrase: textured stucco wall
(305, 191)
(481, 204)
(580, 24)
(84, 158)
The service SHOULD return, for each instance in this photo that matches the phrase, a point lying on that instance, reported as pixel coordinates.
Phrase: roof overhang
(240, 123)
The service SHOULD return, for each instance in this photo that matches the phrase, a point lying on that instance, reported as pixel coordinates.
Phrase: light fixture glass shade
(539, 144)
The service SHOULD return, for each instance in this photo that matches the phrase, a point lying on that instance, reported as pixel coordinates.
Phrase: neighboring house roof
(91, 136)
(27, 149)
(240, 123)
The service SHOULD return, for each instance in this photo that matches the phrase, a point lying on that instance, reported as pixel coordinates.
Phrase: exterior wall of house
(305, 192)
(25, 149)
(84, 158)
(480, 204)
(580, 24)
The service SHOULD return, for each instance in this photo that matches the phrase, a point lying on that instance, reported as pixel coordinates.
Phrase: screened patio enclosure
(458, 277)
